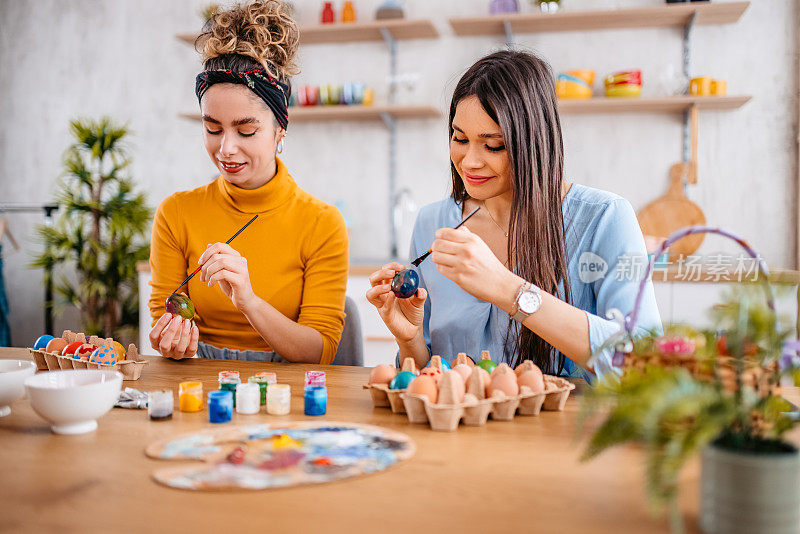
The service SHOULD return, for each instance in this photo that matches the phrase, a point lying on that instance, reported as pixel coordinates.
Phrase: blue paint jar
(220, 406)
(315, 400)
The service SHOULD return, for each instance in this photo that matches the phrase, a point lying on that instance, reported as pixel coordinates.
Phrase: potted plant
(101, 232)
(715, 392)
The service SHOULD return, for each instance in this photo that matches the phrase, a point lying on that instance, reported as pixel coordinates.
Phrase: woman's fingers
(216, 248)
(442, 258)
(418, 298)
(222, 261)
(183, 342)
(191, 350)
(460, 235)
(377, 295)
(155, 332)
(386, 272)
(165, 344)
(223, 276)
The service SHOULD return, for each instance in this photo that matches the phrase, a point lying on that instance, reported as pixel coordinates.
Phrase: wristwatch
(529, 298)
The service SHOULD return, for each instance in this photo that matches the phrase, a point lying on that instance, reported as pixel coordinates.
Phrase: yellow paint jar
(700, 86)
(719, 87)
(190, 396)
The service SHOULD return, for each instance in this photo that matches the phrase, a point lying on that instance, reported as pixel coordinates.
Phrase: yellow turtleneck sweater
(296, 254)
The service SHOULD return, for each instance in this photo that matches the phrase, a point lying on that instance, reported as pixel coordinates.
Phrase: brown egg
(464, 370)
(505, 383)
(382, 374)
(527, 365)
(502, 368)
(533, 379)
(433, 372)
(451, 388)
(424, 385)
(56, 345)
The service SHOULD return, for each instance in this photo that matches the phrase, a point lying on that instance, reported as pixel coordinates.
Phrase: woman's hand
(224, 266)
(402, 316)
(464, 258)
(174, 337)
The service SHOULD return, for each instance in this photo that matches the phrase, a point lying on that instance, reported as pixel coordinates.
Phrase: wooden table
(520, 476)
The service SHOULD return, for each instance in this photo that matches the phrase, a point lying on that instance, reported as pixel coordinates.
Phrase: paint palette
(265, 455)
(104, 358)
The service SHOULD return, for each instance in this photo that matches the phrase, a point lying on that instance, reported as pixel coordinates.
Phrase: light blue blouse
(605, 256)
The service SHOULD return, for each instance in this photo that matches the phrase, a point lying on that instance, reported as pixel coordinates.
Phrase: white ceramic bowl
(72, 400)
(12, 382)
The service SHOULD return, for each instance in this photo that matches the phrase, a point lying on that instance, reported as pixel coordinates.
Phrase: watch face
(529, 302)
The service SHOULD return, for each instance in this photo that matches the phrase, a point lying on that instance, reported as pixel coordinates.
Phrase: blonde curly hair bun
(263, 31)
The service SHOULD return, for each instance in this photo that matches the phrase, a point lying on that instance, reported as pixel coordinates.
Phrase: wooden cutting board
(673, 211)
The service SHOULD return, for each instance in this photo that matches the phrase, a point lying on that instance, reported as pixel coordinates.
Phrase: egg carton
(383, 397)
(475, 411)
(130, 367)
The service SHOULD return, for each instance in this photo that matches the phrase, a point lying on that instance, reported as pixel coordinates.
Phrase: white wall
(61, 59)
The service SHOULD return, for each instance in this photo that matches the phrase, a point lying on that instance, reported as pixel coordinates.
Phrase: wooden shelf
(672, 104)
(351, 113)
(664, 16)
(355, 32)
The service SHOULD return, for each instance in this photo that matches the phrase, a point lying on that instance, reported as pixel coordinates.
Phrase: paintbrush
(419, 260)
(228, 242)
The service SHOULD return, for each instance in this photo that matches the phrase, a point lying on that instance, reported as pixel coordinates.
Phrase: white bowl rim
(40, 384)
(21, 369)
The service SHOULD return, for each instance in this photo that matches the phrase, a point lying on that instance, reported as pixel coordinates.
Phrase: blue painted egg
(405, 283)
(104, 355)
(402, 380)
(42, 342)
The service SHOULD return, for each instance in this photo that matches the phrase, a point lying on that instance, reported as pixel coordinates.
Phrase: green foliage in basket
(675, 412)
(101, 232)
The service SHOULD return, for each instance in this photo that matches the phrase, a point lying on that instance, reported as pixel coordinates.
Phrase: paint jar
(279, 397)
(190, 396)
(227, 374)
(229, 384)
(263, 383)
(272, 378)
(220, 406)
(315, 378)
(160, 405)
(248, 398)
(315, 400)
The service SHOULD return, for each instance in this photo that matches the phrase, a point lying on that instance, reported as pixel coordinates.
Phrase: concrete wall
(62, 59)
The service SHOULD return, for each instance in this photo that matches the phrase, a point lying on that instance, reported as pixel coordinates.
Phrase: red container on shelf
(328, 16)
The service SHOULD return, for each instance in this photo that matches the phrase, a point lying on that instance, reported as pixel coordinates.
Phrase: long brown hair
(517, 91)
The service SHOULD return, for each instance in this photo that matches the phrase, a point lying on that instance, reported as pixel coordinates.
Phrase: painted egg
(424, 385)
(487, 365)
(451, 388)
(70, 349)
(56, 345)
(84, 351)
(382, 374)
(180, 304)
(120, 350)
(104, 355)
(442, 362)
(464, 370)
(532, 379)
(405, 283)
(42, 342)
(433, 372)
(505, 383)
(402, 380)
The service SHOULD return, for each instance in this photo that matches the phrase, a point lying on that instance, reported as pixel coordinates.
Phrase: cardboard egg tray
(130, 367)
(475, 409)
(475, 412)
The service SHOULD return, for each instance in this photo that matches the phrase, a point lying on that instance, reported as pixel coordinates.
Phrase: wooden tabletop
(519, 476)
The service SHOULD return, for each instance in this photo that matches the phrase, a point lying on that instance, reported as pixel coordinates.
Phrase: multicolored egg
(120, 350)
(402, 380)
(42, 342)
(84, 351)
(70, 349)
(104, 355)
